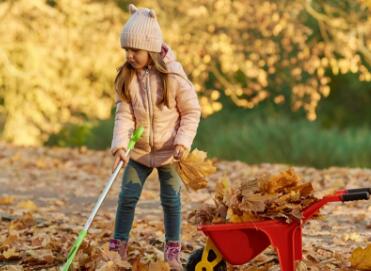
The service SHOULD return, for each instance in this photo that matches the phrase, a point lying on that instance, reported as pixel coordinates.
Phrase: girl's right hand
(120, 155)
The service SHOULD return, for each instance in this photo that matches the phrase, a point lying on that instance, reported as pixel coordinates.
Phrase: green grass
(253, 137)
(258, 139)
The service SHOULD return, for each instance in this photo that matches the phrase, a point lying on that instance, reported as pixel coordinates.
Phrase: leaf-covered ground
(46, 195)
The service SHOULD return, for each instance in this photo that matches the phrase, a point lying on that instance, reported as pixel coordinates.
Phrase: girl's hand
(179, 152)
(120, 155)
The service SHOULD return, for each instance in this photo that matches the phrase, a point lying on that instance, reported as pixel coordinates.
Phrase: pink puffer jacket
(163, 128)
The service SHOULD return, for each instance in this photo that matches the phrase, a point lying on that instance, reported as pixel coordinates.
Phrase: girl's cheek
(141, 61)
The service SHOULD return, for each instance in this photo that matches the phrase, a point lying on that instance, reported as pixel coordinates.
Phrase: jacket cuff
(184, 140)
(182, 146)
(115, 149)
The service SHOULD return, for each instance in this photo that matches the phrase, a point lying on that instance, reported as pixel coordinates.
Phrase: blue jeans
(135, 174)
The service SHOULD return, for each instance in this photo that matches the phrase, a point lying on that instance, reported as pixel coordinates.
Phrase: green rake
(71, 255)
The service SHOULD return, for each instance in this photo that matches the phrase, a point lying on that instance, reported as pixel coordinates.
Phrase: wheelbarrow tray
(239, 243)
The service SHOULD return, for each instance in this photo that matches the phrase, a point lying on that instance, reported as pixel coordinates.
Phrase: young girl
(152, 91)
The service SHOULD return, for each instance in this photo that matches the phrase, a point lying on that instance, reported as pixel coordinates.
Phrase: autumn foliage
(58, 58)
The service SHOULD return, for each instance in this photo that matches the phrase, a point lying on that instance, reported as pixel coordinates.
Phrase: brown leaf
(43, 256)
(159, 266)
(25, 221)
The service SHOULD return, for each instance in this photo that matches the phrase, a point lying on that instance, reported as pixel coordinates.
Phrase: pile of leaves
(281, 196)
(194, 168)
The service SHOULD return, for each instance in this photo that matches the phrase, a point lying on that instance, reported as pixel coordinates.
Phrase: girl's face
(137, 58)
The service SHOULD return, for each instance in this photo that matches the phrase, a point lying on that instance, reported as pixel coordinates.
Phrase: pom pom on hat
(142, 30)
(132, 8)
(152, 13)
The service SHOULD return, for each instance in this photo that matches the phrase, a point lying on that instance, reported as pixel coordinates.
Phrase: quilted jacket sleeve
(124, 125)
(189, 108)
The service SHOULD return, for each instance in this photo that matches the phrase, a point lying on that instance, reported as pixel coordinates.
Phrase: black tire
(196, 256)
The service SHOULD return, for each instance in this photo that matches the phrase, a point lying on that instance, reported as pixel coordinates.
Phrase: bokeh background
(284, 81)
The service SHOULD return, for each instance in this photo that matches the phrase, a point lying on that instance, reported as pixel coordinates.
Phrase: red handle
(340, 195)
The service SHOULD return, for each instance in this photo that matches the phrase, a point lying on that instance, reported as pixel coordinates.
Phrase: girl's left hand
(179, 152)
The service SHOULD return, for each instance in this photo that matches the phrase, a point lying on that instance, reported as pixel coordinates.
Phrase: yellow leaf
(232, 217)
(6, 200)
(245, 217)
(10, 253)
(361, 258)
(278, 182)
(27, 204)
(221, 187)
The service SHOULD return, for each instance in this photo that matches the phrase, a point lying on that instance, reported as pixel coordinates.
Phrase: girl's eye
(133, 50)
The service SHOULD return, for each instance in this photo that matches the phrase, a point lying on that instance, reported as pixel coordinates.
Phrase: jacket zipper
(150, 114)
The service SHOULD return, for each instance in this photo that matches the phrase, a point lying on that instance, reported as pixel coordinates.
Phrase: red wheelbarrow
(238, 243)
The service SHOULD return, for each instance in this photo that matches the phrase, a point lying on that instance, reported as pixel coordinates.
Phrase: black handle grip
(356, 190)
(355, 196)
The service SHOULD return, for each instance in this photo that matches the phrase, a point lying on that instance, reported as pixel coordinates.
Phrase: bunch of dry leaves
(194, 168)
(281, 196)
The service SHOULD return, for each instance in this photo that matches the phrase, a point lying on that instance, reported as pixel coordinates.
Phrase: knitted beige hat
(142, 30)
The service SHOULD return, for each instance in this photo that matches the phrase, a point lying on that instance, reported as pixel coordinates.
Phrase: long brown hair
(125, 74)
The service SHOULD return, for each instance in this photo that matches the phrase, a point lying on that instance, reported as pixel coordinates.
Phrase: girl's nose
(129, 55)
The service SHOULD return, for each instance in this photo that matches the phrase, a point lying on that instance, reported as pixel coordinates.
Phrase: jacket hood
(170, 55)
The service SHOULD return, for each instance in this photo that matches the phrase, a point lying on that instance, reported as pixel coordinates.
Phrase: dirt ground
(46, 195)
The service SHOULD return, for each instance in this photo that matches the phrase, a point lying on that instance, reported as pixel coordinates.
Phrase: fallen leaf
(6, 200)
(25, 221)
(10, 253)
(40, 256)
(9, 240)
(361, 258)
(159, 266)
(28, 204)
(13, 268)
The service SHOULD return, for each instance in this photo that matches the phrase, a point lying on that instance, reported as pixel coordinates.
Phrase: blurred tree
(259, 50)
(58, 58)
(57, 64)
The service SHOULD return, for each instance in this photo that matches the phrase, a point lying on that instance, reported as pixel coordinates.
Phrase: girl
(152, 90)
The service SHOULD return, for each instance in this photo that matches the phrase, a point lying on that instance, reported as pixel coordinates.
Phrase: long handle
(71, 255)
(103, 195)
(84, 231)
(356, 190)
(355, 196)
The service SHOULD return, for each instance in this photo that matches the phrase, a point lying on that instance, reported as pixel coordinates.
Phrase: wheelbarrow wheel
(196, 256)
